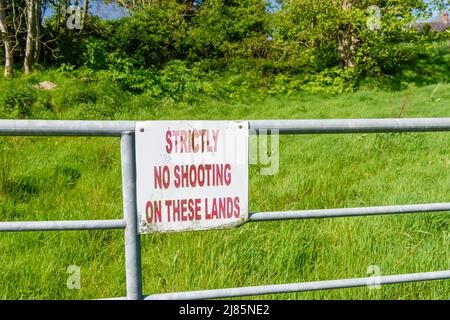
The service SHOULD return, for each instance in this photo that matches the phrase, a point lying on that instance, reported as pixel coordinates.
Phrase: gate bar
(61, 225)
(64, 128)
(132, 237)
(115, 128)
(348, 212)
(301, 287)
(352, 125)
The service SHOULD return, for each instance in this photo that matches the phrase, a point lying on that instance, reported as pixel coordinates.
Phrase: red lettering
(161, 180)
(227, 174)
(153, 212)
(168, 205)
(183, 141)
(195, 147)
(176, 173)
(169, 141)
(237, 212)
(216, 138)
(192, 141)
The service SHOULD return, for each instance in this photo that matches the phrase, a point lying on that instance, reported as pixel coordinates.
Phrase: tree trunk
(37, 41)
(58, 18)
(31, 37)
(8, 59)
(347, 40)
(68, 31)
(84, 15)
(6, 38)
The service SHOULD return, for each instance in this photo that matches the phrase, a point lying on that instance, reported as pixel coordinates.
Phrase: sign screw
(141, 129)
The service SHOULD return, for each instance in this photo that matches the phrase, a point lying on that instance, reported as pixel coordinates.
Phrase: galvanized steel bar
(132, 238)
(301, 287)
(115, 128)
(351, 125)
(61, 225)
(64, 128)
(348, 212)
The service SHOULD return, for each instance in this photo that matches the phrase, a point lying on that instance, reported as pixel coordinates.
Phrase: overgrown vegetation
(79, 178)
(302, 45)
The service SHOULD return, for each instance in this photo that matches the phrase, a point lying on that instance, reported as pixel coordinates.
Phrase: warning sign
(191, 175)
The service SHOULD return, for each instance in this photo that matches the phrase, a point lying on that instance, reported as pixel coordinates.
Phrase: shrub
(16, 99)
(333, 80)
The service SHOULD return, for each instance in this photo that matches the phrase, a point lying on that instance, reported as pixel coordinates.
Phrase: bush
(333, 80)
(178, 81)
(153, 35)
(16, 100)
(88, 96)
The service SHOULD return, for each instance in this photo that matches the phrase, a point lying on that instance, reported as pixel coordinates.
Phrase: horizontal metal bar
(301, 287)
(351, 125)
(61, 225)
(64, 128)
(348, 212)
(116, 128)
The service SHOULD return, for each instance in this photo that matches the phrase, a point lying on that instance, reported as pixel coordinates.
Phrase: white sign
(191, 175)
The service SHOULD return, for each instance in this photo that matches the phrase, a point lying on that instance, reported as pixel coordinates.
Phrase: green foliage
(284, 84)
(153, 35)
(16, 100)
(178, 80)
(89, 98)
(335, 80)
(431, 65)
(369, 34)
(230, 29)
(94, 55)
(176, 49)
(302, 40)
(63, 46)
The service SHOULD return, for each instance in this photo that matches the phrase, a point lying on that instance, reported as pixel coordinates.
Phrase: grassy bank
(79, 178)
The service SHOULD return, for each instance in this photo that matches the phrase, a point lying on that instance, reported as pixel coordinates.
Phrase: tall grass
(48, 178)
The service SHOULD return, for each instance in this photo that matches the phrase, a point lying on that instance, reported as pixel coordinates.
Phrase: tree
(154, 34)
(37, 30)
(347, 38)
(6, 39)
(84, 15)
(341, 26)
(230, 28)
(31, 36)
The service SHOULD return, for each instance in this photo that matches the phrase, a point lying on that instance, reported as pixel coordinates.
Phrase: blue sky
(114, 11)
(98, 7)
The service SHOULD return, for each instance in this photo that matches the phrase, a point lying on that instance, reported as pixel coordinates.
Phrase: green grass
(49, 178)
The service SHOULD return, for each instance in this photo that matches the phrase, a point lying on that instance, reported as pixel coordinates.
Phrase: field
(79, 178)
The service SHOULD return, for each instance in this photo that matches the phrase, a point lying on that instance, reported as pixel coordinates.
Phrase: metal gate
(125, 130)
